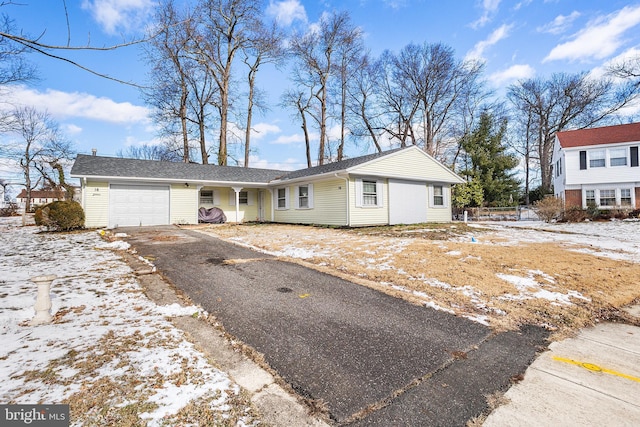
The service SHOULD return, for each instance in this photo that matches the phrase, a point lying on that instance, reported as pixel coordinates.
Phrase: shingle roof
(99, 166)
(336, 166)
(602, 135)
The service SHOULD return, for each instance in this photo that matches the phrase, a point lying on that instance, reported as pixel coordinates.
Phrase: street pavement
(368, 358)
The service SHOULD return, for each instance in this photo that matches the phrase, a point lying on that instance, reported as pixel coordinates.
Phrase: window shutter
(310, 196)
(583, 160)
(296, 198)
(251, 198)
(634, 156)
(358, 193)
(232, 197)
(379, 195)
(286, 198)
(216, 197)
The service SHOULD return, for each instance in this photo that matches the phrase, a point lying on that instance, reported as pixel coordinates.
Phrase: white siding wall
(96, 204)
(329, 204)
(183, 204)
(439, 213)
(604, 175)
(370, 215)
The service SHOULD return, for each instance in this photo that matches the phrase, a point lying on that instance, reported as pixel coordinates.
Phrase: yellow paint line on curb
(304, 295)
(595, 368)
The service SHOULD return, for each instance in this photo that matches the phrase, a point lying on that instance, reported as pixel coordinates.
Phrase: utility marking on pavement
(595, 368)
(304, 295)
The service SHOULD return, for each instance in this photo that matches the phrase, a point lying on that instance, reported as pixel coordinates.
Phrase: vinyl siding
(329, 204)
(183, 204)
(440, 213)
(374, 215)
(247, 212)
(96, 204)
(408, 164)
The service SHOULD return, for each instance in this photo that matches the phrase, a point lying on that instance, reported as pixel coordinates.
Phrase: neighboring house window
(583, 160)
(590, 197)
(625, 197)
(369, 193)
(607, 197)
(283, 198)
(206, 197)
(618, 157)
(633, 152)
(597, 159)
(438, 195)
(304, 196)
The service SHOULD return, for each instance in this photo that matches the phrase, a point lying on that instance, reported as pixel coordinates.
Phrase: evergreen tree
(490, 164)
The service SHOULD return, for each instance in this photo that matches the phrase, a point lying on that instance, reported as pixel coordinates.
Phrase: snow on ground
(613, 239)
(105, 332)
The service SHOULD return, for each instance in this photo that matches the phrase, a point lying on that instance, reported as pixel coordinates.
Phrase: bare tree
(363, 95)
(316, 53)
(265, 46)
(565, 101)
(301, 101)
(39, 148)
(163, 153)
(226, 30)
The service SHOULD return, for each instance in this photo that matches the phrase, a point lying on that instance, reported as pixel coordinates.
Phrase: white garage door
(407, 202)
(134, 205)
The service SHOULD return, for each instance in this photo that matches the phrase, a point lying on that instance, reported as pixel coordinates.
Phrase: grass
(438, 263)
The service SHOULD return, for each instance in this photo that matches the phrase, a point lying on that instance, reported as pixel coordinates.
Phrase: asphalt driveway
(370, 358)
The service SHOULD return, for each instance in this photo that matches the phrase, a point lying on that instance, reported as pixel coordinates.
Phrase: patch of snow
(529, 288)
(175, 309)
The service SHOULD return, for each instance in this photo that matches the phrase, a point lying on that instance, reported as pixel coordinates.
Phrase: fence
(513, 213)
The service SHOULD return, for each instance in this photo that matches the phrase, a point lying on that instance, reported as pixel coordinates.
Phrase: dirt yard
(503, 275)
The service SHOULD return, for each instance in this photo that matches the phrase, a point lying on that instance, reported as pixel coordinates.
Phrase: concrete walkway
(590, 380)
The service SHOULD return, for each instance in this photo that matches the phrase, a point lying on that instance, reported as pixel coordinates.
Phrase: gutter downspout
(346, 183)
(84, 193)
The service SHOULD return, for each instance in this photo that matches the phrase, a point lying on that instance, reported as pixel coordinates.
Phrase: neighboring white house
(598, 166)
(401, 186)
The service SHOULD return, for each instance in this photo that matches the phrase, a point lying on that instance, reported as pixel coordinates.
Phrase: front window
(625, 197)
(206, 197)
(438, 195)
(596, 159)
(590, 197)
(243, 198)
(618, 157)
(369, 193)
(607, 197)
(303, 196)
(282, 198)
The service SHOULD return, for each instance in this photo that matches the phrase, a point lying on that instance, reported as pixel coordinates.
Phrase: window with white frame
(206, 197)
(625, 197)
(597, 159)
(304, 196)
(369, 193)
(590, 197)
(607, 197)
(283, 202)
(438, 195)
(618, 157)
(243, 198)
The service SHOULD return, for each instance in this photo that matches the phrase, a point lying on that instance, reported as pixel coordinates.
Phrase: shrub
(10, 209)
(63, 215)
(549, 208)
(574, 214)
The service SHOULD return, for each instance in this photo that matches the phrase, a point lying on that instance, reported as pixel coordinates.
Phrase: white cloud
(599, 39)
(287, 11)
(260, 130)
(288, 165)
(489, 8)
(296, 138)
(71, 129)
(498, 34)
(560, 24)
(63, 105)
(628, 56)
(515, 72)
(117, 15)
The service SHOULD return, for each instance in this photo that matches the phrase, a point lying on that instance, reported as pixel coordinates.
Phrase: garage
(407, 202)
(137, 205)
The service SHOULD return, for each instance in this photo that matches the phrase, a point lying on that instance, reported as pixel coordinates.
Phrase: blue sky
(516, 39)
